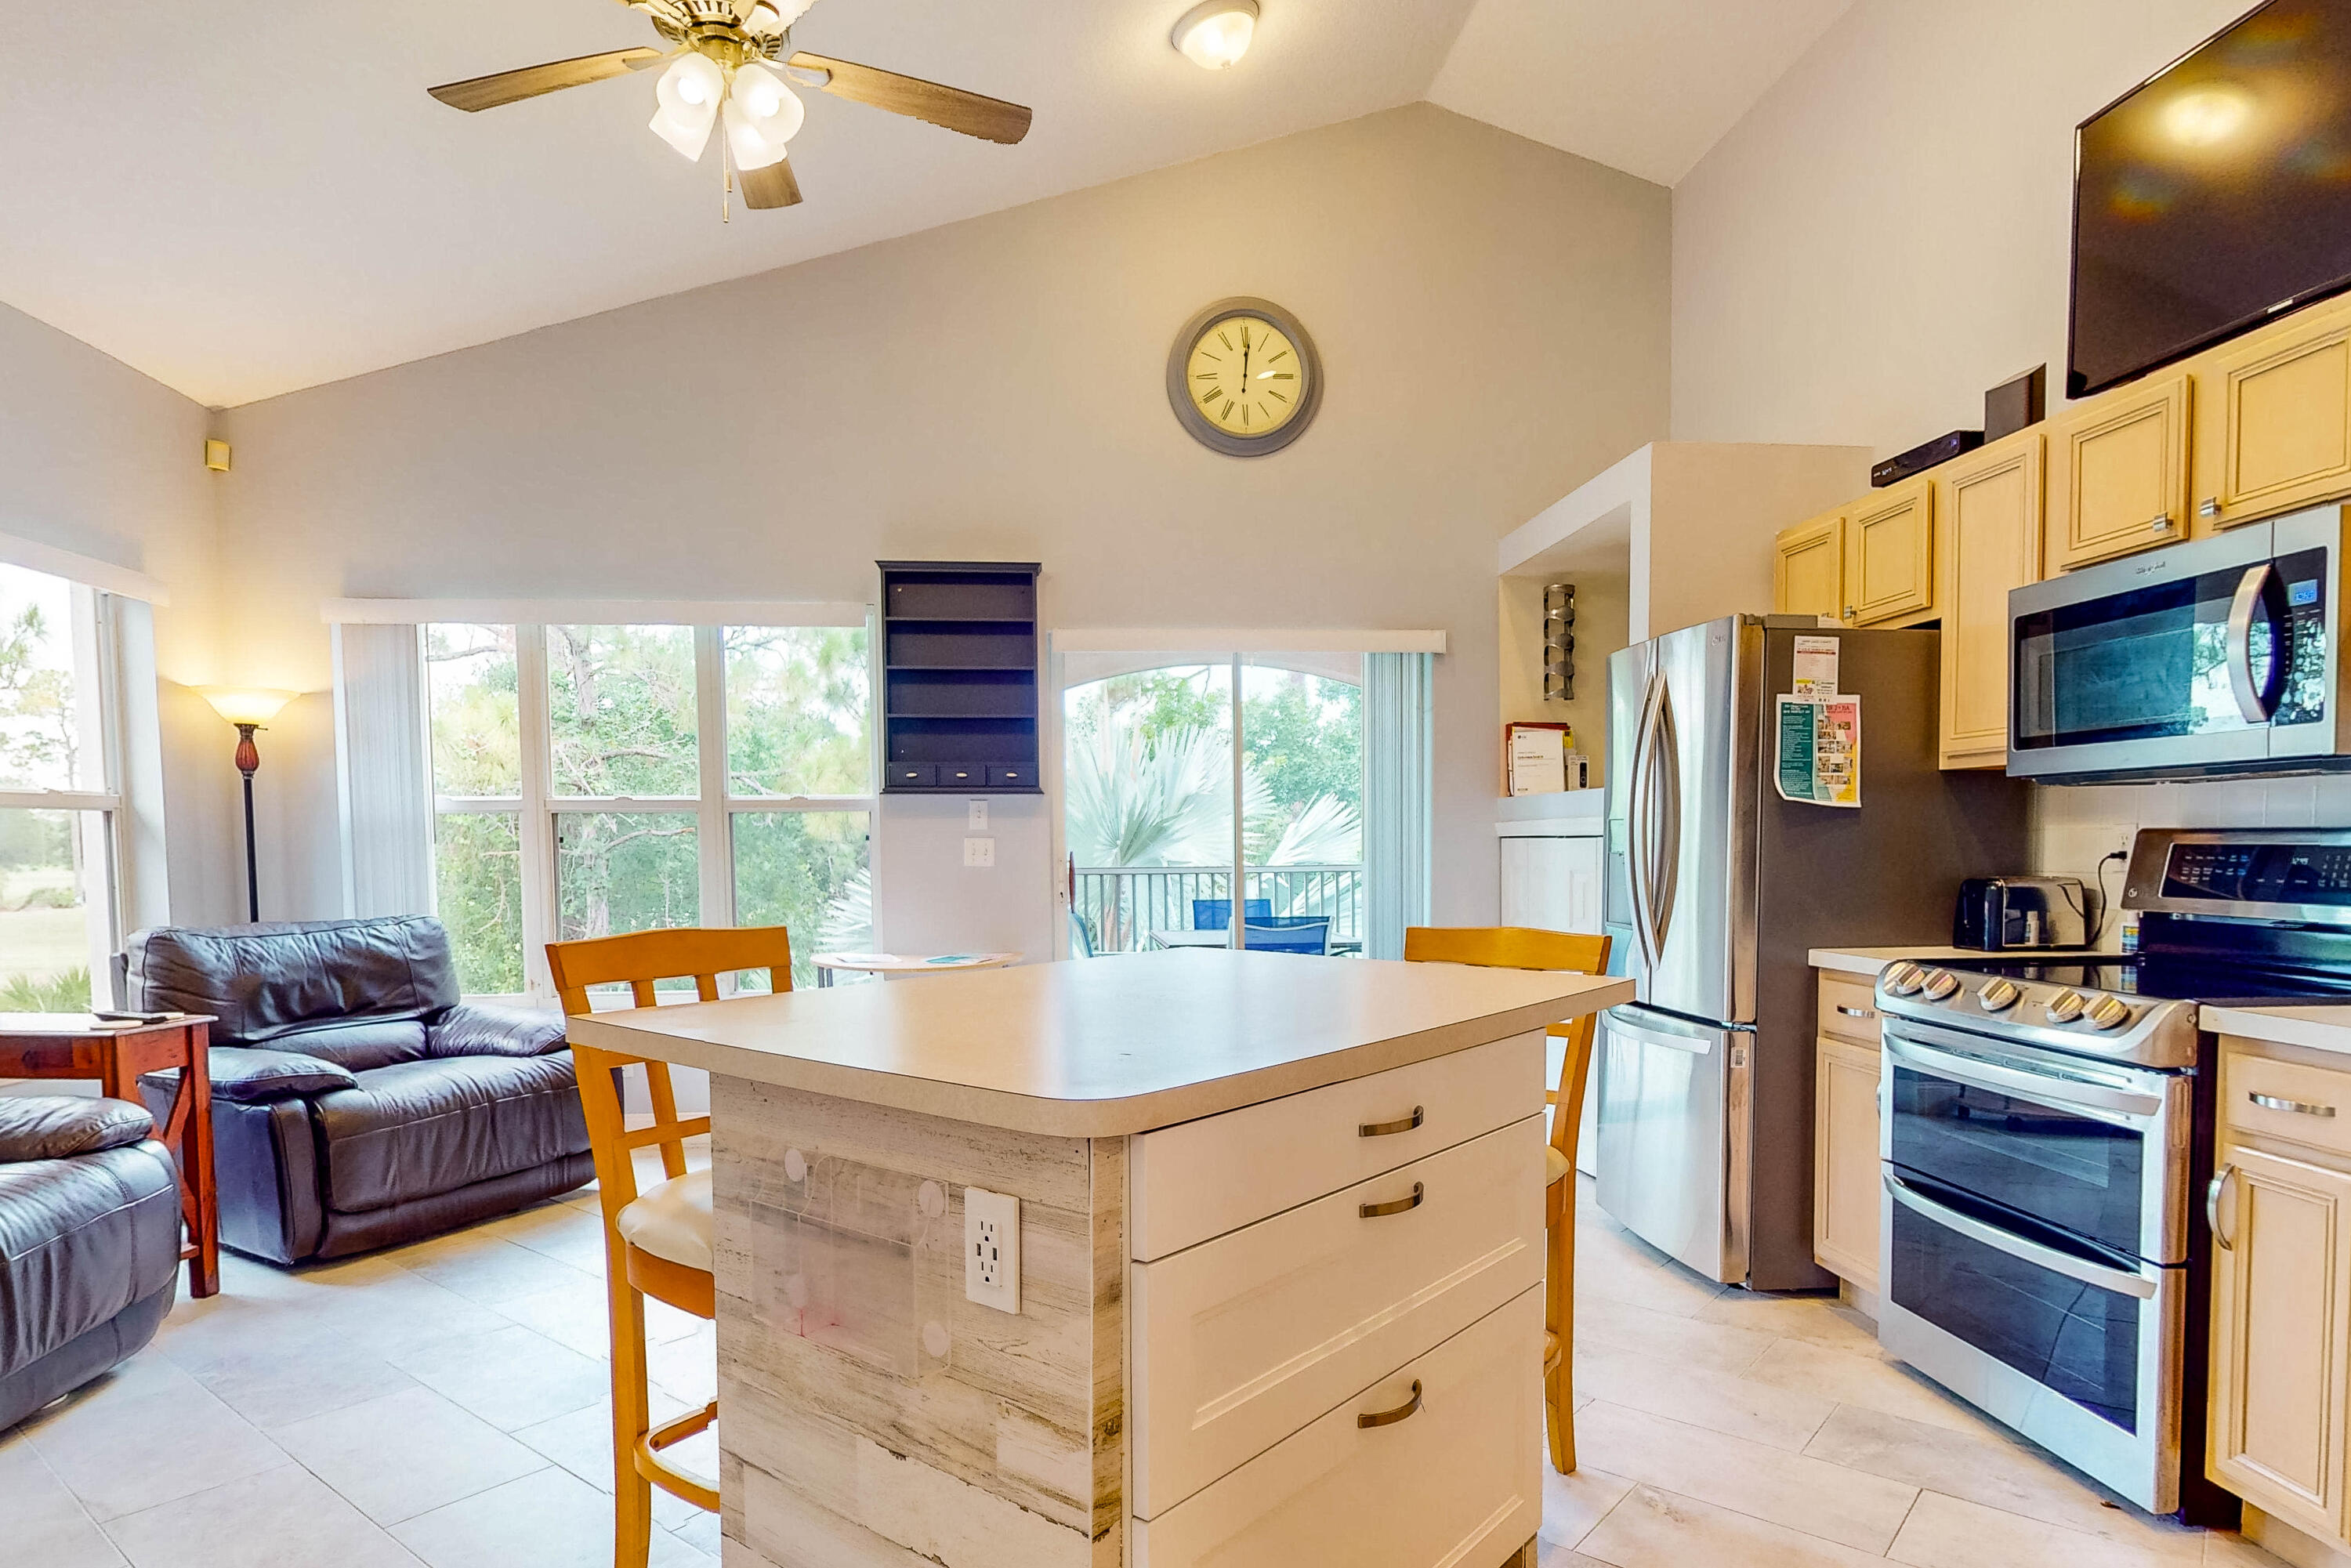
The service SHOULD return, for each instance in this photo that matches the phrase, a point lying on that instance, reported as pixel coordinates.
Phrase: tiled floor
(1718, 1427)
(445, 1403)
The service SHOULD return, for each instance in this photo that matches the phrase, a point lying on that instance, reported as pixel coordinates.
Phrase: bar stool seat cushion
(672, 1221)
(1555, 1165)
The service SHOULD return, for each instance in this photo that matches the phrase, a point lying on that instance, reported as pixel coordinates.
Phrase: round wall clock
(1244, 378)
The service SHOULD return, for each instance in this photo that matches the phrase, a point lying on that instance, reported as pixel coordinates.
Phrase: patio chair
(1217, 914)
(1295, 934)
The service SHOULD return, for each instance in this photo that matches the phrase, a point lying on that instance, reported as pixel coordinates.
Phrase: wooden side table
(78, 1045)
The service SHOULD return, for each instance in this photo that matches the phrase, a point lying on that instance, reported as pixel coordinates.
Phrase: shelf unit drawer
(1455, 1484)
(2308, 1105)
(1188, 1183)
(1242, 1340)
(1849, 1009)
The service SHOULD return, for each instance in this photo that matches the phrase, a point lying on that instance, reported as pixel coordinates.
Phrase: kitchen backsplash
(2073, 826)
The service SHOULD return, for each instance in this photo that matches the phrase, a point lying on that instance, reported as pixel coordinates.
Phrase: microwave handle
(2254, 704)
(2017, 1247)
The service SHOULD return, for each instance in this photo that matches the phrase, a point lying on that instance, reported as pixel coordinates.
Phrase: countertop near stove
(1867, 961)
(2319, 1028)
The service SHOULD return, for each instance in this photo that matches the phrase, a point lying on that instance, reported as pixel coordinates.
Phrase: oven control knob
(2066, 1006)
(1903, 979)
(1997, 996)
(2107, 1012)
(1939, 984)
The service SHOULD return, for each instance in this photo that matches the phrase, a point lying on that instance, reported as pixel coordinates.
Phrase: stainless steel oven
(2216, 657)
(2035, 1234)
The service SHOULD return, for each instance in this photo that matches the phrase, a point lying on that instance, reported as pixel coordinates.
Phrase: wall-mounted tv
(2215, 194)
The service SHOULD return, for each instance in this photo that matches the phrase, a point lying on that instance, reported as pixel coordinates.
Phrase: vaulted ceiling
(242, 198)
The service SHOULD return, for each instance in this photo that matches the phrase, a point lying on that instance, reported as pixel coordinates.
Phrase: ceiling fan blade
(989, 119)
(773, 186)
(509, 87)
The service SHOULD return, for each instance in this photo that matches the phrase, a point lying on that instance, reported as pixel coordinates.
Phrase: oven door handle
(2117, 1106)
(2017, 1247)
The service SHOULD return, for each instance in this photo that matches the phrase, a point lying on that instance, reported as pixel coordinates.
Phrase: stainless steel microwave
(2223, 656)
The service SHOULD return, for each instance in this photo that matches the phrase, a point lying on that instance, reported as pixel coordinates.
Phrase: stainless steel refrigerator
(1718, 887)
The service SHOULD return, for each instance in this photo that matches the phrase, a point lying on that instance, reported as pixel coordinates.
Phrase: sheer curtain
(382, 774)
(1399, 792)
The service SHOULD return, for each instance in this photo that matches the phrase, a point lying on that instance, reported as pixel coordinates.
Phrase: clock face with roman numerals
(1245, 375)
(1244, 378)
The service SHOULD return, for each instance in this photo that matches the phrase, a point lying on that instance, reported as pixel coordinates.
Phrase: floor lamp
(249, 709)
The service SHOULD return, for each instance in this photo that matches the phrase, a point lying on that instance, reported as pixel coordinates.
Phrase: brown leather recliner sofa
(357, 1103)
(89, 1243)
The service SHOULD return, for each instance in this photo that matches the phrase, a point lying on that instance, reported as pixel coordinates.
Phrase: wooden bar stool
(657, 1242)
(1523, 948)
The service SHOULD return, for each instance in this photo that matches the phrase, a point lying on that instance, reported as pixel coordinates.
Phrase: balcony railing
(1123, 907)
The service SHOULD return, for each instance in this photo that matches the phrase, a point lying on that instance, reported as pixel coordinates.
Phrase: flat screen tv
(2214, 195)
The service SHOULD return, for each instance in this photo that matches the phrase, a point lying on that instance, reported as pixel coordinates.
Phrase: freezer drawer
(1673, 1127)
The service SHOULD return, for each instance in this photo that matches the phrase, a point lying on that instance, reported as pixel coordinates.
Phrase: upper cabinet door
(2273, 421)
(1991, 527)
(1808, 568)
(2118, 474)
(1889, 555)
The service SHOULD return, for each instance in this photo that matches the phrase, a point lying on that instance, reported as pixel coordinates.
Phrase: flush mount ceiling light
(1216, 33)
(731, 62)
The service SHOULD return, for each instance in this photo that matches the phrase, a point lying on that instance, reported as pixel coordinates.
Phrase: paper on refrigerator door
(1815, 666)
(1819, 750)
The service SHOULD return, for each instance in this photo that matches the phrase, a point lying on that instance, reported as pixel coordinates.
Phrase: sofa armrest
(59, 1126)
(479, 1029)
(250, 1074)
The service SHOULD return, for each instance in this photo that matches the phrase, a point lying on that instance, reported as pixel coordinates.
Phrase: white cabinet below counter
(1552, 859)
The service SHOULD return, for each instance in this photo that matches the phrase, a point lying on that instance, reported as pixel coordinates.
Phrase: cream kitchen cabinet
(2118, 473)
(1989, 530)
(1808, 568)
(2281, 1211)
(1889, 555)
(1844, 1132)
(2273, 419)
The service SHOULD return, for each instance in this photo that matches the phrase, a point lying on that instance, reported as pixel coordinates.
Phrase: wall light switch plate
(992, 1249)
(976, 814)
(979, 852)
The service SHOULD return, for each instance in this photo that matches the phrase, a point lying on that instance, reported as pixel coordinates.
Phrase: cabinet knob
(2211, 509)
(2160, 524)
(1848, 611)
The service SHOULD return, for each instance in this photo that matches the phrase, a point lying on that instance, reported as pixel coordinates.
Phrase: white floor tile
(275, 1365)
(1701, 1396)
(487, 1269)
(511, 1378)
(41, 1521)
(406, 1454)
(1654, 1528)
(1572, 1504)
(550, 1520)
(282, 1518)
(581, 1441)
(579, 1317)
(1948, 1532)
(147, 1434)
(1866, 1378)
(1604, 1321)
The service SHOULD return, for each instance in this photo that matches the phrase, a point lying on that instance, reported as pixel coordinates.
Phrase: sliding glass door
(1187, 775)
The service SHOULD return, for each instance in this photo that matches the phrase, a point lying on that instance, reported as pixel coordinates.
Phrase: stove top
(2165, 979)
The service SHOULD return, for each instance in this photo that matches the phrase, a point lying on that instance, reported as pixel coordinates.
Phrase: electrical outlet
(979, 852)
(992, 1249)
(976, 814)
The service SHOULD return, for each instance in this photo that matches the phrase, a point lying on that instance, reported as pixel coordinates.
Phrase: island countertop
(1104, 1047)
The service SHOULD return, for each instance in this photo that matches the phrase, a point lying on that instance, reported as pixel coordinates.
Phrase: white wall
(1493, 318)
(97, 459)
(1886, 234)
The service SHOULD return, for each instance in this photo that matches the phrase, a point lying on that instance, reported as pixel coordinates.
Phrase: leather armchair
(357, 1103)
(89, 1243)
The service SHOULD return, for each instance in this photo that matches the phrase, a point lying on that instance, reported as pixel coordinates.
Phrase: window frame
(537, 806)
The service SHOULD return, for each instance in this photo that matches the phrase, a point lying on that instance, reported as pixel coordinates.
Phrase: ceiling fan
(732, 61)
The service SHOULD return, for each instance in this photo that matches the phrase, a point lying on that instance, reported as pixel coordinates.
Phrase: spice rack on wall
(959, 677)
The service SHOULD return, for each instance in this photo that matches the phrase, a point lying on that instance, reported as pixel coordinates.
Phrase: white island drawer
(1199, 1179)
(1455, 1484)
(1240, 1342)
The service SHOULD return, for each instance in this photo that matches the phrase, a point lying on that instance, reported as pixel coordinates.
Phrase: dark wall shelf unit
(959, 660)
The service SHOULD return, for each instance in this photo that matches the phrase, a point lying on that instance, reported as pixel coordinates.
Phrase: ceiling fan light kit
(1215, 34)
(727, 62)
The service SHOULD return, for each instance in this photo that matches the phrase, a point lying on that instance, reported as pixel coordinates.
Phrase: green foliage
(807, 870)
(62, 993)
(797, 710)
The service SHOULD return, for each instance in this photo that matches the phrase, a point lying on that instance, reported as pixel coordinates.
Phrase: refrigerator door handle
(1638, 854)
(1666, 771)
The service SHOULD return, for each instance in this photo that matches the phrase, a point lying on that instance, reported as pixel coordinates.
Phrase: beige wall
(1601, 601)
(1492, 315)
(1886, 234)
(97, 459)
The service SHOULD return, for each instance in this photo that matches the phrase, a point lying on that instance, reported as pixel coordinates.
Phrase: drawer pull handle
(2211, 509)
(2299, 1107)
(2212, 1207)
(2160, 524)
(1384, 1129)
(1394, 1206)
(1855, 1012)
(1390, 1417)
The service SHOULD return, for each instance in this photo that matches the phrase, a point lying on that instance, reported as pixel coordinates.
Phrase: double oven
(2036, 1232)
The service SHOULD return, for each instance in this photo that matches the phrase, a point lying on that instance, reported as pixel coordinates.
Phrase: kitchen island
(1272, 1295)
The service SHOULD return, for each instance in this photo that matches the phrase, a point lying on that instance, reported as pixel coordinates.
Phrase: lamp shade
(246, 705)
(762, 114)
(689, 94)
(1216, 33)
